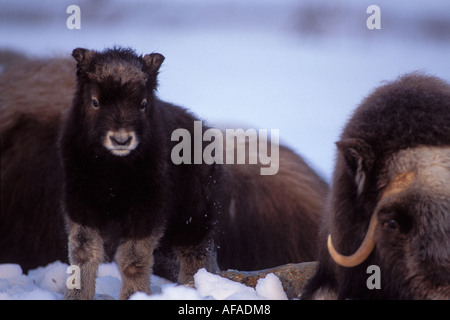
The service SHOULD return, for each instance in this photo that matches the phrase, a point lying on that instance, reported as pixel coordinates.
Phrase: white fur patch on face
(430, 165)
(120, 143)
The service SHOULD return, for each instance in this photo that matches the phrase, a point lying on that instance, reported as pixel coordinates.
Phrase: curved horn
(363, 251)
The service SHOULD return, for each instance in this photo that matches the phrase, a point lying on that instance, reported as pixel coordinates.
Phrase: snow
(39, 284)
(220, 288)
(270, 288)
(49, 283)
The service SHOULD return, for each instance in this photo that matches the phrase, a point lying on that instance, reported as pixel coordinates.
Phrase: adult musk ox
(266, 220)
(34, 95)
(389, 205)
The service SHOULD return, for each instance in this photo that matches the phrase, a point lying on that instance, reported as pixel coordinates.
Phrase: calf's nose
(121, 138)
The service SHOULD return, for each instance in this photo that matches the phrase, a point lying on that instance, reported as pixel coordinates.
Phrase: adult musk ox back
(389, 205)
(33, 98)
(272, 219)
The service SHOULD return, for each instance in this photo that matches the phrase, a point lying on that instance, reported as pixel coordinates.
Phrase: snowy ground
(49, 283)
(297, 66)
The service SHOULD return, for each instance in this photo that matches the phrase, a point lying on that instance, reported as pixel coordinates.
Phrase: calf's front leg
(86, 253)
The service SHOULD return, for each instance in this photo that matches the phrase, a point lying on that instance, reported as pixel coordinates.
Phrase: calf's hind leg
(135, 261)
(194, 257)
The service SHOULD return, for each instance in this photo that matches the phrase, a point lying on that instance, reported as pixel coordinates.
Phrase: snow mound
(211, 285)
(14, 285)
(271, 288)
(49, 283)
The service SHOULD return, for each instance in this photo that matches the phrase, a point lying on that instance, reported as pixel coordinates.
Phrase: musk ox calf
(389, 205)
(120, 185)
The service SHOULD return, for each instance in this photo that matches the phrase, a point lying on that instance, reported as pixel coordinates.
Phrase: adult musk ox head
(390, 200)
(115, 95)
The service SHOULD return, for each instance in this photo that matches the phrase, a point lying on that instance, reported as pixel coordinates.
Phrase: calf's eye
(143, 105)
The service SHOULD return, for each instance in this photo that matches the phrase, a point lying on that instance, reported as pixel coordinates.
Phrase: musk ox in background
(266, 220)
(34, 97)
(389, 205)
(272, 220)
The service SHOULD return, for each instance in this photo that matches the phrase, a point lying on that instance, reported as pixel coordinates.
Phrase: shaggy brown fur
(405, 121)
(273, 219)
(31, 232)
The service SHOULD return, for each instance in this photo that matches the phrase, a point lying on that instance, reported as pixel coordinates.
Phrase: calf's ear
(152, 63)
(83, 57)
(359, 157)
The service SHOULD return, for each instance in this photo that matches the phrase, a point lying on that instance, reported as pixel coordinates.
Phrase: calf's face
(117, 116)
(116, 95)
